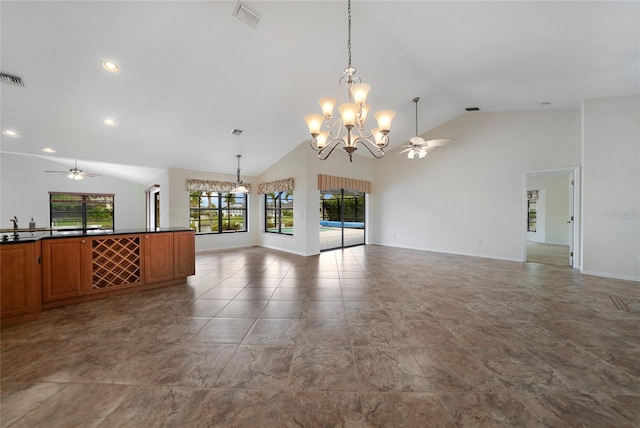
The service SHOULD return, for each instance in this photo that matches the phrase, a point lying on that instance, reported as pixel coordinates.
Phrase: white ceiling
(191, 71)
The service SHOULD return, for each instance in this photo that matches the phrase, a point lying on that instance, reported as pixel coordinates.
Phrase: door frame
(575, 242)
(342, 228)
(150, 206)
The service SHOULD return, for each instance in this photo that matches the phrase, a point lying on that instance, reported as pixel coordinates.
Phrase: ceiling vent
(472, 109)
(11, 80)
(245, 14)
(236, 131)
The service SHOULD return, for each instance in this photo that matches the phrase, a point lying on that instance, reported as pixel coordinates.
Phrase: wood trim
(331, 182)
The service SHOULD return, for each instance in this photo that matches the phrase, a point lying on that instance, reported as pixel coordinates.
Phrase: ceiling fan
(417, 146)
(75, 173)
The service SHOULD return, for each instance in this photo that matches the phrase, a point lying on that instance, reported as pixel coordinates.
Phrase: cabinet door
(184, 254)
(158, 257)
(19, 279)
(64, 273)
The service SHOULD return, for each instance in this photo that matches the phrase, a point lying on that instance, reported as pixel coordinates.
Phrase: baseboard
(237, 247)
(457, 253)
(611, 275)
(285, 250)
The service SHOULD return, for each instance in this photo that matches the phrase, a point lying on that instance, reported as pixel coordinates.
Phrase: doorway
(152, 203)
(342, 219)
(551, 219)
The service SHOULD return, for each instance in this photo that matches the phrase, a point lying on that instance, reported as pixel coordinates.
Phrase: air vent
(472, 109)
(11, 80)
(245, 14)
(236, 131)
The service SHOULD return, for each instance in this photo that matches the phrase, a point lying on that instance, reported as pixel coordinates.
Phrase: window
(212, 212)
(279, 212)
(80, 211)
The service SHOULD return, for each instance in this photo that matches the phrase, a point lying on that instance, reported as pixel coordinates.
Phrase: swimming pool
(347, 224)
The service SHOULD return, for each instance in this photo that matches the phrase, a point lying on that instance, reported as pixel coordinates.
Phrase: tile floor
(369, 336)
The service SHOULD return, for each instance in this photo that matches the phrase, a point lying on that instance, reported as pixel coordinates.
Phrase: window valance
(285, 185)
(330, 182)
(213, 186)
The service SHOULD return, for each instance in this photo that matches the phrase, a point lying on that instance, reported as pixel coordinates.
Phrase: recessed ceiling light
(10, 133)
(110, 122)
(110, 66)
(48, 150)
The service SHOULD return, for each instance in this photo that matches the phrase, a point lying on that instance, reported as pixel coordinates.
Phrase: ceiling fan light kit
(417, 146)
(74, 173)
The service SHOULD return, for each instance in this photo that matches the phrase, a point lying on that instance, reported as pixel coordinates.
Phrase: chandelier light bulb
(314, 122)
(321, 139)
(359, 91)
(378, 137)
(384, 119)
(327, 104)
(363, 113)
(349, 113)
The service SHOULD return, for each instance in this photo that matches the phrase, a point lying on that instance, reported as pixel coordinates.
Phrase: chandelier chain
(349, 38)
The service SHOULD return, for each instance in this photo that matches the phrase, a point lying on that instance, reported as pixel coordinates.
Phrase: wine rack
(116, 262)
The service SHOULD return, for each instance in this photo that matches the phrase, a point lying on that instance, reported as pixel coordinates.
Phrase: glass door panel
(342, 219)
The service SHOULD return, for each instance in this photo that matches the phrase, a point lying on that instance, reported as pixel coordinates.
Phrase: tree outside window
(213, 212)
(81, 211)
(279, 212)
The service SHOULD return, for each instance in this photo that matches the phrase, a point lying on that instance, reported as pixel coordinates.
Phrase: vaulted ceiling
(190, 72)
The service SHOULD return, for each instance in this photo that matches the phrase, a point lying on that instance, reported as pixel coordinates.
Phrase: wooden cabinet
(20, 292)
(65, 268)
(158, 257)
(184, 254)
(77, 269)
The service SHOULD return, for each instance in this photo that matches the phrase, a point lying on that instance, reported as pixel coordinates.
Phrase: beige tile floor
(369, 336)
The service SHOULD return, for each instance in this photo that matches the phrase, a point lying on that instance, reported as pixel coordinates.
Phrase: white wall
(293, 165)
(25, 187)
(611, 187)
(303, 165)
(555, 211)
(467, 197)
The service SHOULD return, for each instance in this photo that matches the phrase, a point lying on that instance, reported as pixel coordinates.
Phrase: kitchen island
(45, 269)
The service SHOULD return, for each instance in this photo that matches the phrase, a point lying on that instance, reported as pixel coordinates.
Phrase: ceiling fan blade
(59, 172)
(439, 142)
(405, 150)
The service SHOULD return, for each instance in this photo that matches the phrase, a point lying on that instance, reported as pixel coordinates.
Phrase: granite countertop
(26, 235)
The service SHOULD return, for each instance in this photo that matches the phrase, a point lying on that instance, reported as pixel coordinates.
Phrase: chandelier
(417, 146)
(326, 135)
(240, 188)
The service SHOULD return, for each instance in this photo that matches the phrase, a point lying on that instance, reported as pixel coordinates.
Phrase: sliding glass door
(342, 219)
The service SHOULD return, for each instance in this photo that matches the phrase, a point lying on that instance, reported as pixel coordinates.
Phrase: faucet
(14, 220)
